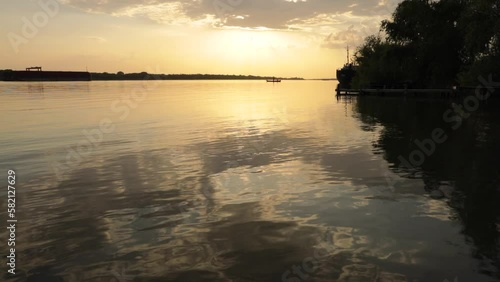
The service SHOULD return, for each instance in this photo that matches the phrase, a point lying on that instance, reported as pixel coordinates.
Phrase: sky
(299, 38)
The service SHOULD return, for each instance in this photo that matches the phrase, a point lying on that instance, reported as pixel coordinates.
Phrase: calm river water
(246, 181)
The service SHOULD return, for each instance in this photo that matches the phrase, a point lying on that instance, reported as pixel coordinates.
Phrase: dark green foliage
(384, 63)
(5, 74)
(433, 44)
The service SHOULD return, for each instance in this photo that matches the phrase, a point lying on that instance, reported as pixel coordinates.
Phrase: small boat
(274, 80)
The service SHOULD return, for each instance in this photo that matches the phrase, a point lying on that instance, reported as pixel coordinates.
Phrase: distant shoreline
(147, 76)
(12, 75)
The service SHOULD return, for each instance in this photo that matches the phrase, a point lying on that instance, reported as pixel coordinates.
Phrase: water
(245, 181)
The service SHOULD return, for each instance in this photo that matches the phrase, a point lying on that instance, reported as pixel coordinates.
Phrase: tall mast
(347, 54)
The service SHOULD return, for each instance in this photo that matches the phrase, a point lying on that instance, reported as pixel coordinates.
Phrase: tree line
(433, 44)
(8, 73)
(146, 76)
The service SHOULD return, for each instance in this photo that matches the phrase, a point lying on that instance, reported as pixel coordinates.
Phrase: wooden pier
(408, 92)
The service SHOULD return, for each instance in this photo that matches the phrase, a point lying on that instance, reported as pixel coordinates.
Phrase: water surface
(245, 181)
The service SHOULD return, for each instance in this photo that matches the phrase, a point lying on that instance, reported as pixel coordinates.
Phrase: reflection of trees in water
(468, 159)
(118, 209)
(35, 88)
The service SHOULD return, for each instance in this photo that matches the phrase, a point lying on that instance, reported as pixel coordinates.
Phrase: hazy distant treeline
(147, 76)
(5, 74)
(434, 44)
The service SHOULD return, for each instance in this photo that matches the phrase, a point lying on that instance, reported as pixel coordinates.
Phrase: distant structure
(34, 68)
(37, 74)
(274, 79)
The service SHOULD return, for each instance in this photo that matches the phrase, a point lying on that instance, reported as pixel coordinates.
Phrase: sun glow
(240, 43)
(177, 37)
(251, 51)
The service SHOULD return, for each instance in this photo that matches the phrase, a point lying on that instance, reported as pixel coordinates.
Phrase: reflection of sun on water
(249, 111)
(254, 116)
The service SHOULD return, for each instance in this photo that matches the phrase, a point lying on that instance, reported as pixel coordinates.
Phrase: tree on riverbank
(433, 44)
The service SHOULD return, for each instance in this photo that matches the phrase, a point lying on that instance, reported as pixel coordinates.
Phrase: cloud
(166, 13)
(276, 14)
(96, 38)
(340, 39)
(354, 33)
(109, 6)
(339, 22)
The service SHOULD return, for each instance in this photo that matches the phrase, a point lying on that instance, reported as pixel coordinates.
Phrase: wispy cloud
(96, 38)
(276, 14)
(337, 22)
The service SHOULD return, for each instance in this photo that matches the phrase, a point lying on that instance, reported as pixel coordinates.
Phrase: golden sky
(305, 38)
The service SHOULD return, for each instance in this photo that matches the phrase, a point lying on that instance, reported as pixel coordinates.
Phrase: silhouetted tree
(434, 44)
